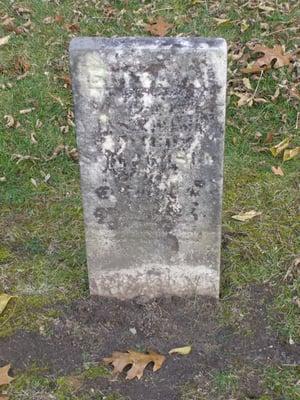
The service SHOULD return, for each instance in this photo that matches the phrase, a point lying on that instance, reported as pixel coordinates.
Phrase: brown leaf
(4, 378)
(159, 28)
(273, 58)
(293, 271)
(277, 171)
(21, 65)
(10, 121)
(58, 19)
(8, 23)
(72, 27)
(73, 154)
(59, 149)
(269, 137)
(4, 398)
(138, 362)
(244, 99)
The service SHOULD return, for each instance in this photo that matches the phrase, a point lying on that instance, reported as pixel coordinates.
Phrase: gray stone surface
(150, 127)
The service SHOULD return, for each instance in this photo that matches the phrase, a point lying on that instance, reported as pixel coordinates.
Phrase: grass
(42, 251)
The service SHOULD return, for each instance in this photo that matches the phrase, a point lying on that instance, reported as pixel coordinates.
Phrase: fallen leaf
(293, 271)
(138, 362)
(277, 171)
(269, 137)
(245, 216)
(181, 350)
(4, 398)
(48, 20)
(5, 379)
(273, 58)
(4, 299)
(8, 23)
(10, 121)
(4, 40)
(291, 153)
(159, 28)
(276, 94)
(244, 25)
(58, 19)
(32, 138)
(73, 154)
(278, 148)
(244, 99)
(21, 65)
(72, 28)
(58, 149)
(247, 83)
(26, 110)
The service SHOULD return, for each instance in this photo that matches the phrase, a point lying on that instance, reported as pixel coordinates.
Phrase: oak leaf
(159, 28)
(5, 379)
(273, 57)
(137, 360)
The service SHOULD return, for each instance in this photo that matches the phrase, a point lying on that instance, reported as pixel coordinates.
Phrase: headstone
(150, 128)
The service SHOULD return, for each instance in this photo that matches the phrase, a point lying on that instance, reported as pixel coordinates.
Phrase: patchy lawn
(244, 347)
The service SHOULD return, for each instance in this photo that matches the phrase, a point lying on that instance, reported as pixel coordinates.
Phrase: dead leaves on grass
(138, 362)
(272, 58)
(159, 28)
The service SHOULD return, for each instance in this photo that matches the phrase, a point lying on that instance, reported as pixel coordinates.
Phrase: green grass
(42, 250)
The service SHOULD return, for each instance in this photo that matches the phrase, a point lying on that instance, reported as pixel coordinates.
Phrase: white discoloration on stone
(197, 83)
(208, 159)
(147, 99)
(108, 144)
(146, 80)
(91, 74)
(103, 118)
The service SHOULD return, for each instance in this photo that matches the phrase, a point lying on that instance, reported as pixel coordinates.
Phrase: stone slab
(150, 118)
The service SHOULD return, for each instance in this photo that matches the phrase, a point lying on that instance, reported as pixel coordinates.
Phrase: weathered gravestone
(150, 126)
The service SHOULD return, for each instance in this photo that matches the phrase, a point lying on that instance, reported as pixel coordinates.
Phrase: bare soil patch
(91, 329)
